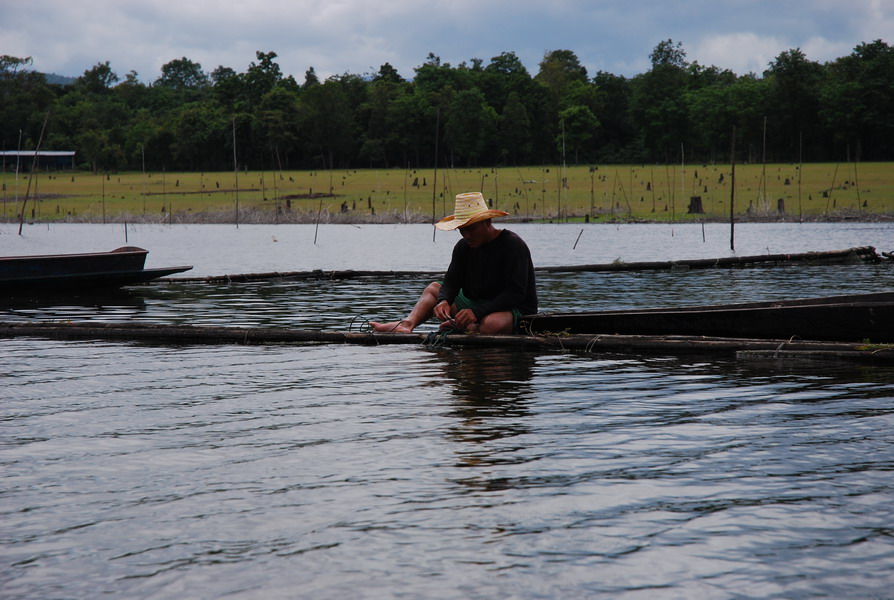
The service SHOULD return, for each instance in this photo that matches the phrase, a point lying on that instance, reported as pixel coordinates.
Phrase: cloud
(741, 53)
(358, 36)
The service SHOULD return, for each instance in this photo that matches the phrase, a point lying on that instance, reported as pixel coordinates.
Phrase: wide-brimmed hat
(470, 208)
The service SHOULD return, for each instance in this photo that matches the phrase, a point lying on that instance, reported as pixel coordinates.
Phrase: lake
(333, 471)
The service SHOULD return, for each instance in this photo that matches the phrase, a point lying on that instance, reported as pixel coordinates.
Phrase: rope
(434, 339)
(363, 325)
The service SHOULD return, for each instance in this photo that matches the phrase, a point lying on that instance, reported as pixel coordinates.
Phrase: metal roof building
(56, 159)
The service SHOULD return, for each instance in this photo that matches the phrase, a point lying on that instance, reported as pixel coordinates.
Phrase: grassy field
(604, 193)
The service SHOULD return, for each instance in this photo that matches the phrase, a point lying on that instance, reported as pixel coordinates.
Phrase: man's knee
(433, 289)
(496, 323)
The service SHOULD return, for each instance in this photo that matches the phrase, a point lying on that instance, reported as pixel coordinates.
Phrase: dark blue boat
(87, 272)
(853, 318)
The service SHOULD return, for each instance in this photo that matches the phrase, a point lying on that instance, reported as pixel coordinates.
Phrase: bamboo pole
(33, 172)
(669, 344)
(434, 186)
(5, 192)
(18, 165)
(236, 174)
(143, 161)
(800, 171)
(682, 179)
(763, 192)
(856, 255)
(732, 192)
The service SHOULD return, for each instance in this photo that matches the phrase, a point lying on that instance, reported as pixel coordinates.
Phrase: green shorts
(462, 301)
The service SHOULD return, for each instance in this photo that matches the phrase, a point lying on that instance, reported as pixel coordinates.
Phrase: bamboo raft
(653, 344)
(856, 255)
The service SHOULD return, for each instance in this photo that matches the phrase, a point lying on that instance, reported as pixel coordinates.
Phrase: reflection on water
(135, 470)
(492, 390)
(489, 375)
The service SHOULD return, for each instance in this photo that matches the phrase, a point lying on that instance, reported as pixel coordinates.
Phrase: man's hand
(442, 311)
(464, 318)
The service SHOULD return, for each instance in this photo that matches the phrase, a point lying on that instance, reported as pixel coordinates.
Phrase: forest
(475, 114)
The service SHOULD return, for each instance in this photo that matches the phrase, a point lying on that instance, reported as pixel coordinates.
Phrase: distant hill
(60, 79)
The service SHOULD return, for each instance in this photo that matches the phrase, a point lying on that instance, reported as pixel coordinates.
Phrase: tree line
(473, 114)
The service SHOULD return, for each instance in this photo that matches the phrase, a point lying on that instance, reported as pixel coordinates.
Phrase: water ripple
(157, 471)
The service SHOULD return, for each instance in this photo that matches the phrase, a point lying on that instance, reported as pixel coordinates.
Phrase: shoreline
(250, 215)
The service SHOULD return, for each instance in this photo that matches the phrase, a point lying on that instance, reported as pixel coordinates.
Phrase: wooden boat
(854, 318)
(78, 272)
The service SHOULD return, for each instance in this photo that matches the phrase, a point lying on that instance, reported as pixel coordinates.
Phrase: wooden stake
(236, 173)
(434, 185)
(33, 173)
(732, 193)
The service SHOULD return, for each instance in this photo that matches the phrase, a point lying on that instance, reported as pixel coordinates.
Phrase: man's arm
(453, 278)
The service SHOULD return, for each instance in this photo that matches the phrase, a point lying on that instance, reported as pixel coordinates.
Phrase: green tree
(262, 76)
(327, 124)
(668, 53)
(616, 138)
(579, 126)
(98, 79)
(380, 141)
(388, 74)
(657, 102)
(718, 108)
(558, 70)
(439, 81)
(229, 87)
(279, 120)
(411, 122)
(25, 99)
(182, 74)
(99, 150)
(856, 103)
(794, 109)
(504, 75)
(514, 130)
(201, 135)
(131, 91)
(471, 123)
(148, 138)
(10, 65)
(310, 78)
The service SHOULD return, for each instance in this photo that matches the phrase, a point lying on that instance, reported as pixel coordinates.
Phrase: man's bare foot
(392, 327)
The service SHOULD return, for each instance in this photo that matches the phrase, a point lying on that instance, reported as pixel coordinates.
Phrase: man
(489, 283)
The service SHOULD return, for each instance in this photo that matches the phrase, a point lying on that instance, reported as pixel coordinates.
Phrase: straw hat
(470, 208)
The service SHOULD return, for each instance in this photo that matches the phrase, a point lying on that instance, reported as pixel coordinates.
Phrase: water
(329, 471)
(222, 249)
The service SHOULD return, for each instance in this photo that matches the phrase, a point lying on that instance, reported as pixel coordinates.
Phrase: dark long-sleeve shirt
(498, 276)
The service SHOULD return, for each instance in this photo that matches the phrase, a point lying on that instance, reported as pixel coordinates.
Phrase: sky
(68, 37)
